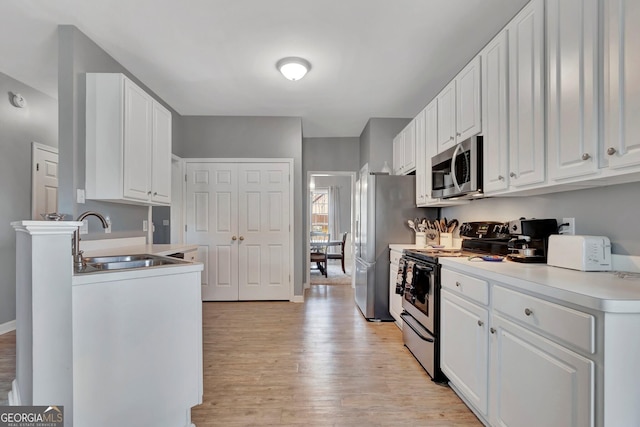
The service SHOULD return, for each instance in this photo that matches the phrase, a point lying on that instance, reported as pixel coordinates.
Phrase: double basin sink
(125, 262)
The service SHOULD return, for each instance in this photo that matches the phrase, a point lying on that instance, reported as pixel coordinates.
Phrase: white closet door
(212, 224)
(264, 229)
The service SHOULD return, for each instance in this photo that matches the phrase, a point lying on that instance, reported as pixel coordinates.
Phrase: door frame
(353, 175)
(35, 147)
(289, 161)
(178, 206)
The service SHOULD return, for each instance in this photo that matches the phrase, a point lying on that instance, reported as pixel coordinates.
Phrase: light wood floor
(313, 364)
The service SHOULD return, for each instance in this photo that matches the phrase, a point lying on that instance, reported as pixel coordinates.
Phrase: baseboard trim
(7, 327)
(297, 298)
(14, 395)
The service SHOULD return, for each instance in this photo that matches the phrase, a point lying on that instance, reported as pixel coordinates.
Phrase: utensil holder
(433, 237)
(421, 239)
(457, 243)
(446, 239)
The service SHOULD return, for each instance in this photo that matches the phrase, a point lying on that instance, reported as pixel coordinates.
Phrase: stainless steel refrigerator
(384, 203)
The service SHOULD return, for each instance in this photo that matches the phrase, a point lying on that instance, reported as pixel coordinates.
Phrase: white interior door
(212, 224)
(239, 215)
(44, 188)
(264, 229)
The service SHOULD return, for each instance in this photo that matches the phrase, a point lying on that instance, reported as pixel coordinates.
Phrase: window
(320, 210)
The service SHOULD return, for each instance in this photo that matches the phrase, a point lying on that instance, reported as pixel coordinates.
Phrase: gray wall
(376, 142)
(608, 211)
(251, 137)
(77, 55)
(38, 122)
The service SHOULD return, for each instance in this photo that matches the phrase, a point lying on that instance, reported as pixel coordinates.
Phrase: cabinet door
(464, 345)
(409, 148)
(495, 114)
(398, 157)
(430, 143)
(526, 96)
(137, 143)
(468, 117)
(421, 160)
(622, 83)
(536, 382)
(447, 117)
(572, 114)
(161, 155)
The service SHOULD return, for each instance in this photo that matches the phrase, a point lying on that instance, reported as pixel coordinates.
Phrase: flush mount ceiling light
(293, 68)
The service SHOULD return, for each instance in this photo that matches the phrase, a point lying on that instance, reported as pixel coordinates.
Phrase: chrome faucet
(78, 261)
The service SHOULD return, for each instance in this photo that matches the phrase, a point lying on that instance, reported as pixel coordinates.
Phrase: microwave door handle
(454, 159)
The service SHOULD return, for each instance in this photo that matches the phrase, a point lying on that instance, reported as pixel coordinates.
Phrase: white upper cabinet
(459, 107)
(526, 96)
(573, 81)
(404, 150)
(422, 166)
(622, 83)
(468, 116)
(495, 114)
(128, 142)
(447, 117)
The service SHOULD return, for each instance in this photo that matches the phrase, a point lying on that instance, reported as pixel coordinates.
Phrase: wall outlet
(84, 228)
(568, 229)
(80, 195)
(108, 229)
(145, 225)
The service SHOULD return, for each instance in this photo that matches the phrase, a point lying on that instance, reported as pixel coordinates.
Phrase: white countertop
(401, 246)
(601, 291)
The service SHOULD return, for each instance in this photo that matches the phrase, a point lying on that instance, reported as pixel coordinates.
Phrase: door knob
(234, 238)
(528, 312)
(148, 193)
(155, 193)
(586, 156)
(513, 175)
(480, 323)
(241, 237)
(458, 133)
(611, 151)
(493, 330)
(500, 178)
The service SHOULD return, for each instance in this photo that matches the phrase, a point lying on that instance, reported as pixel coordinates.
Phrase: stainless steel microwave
(457, 172)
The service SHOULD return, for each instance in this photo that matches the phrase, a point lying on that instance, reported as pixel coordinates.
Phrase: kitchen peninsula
(93, 342)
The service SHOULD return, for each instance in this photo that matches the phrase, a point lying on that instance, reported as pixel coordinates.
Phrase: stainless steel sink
(123, 262)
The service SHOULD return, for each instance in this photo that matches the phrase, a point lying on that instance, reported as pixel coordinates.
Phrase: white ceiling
(370, 58)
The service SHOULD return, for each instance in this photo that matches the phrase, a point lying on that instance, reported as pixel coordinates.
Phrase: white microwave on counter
(457, 172)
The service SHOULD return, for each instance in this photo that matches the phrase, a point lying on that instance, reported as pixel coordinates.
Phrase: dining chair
(319, 242)
(340, 256)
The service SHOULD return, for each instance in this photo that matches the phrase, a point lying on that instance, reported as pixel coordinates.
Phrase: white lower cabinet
(508, 359)
(464, 348)
(536, 382)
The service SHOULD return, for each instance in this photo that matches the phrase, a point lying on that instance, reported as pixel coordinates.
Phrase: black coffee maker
(531, 239)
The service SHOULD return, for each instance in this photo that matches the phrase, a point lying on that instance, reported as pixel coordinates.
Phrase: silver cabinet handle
(513, 175)
(458, 284)
(528, 312)
(492, 330)
(611, 151)
(586, 156)
(234, 238)
(500, 178)
(480, 323)
(241, 238)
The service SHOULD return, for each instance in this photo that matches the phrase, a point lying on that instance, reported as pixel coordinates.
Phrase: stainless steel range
(419, 284)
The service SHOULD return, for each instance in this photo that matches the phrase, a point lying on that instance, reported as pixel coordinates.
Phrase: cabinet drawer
(569, 325)
(394, 257)
(475, 289)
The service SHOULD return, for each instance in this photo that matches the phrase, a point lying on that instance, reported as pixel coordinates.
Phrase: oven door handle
(404, 317)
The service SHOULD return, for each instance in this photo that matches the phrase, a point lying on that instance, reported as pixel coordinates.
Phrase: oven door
(419, 300)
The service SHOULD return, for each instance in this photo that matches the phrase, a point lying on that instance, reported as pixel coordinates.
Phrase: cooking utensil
(443, 225)
(452, 225)
(412, 225)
